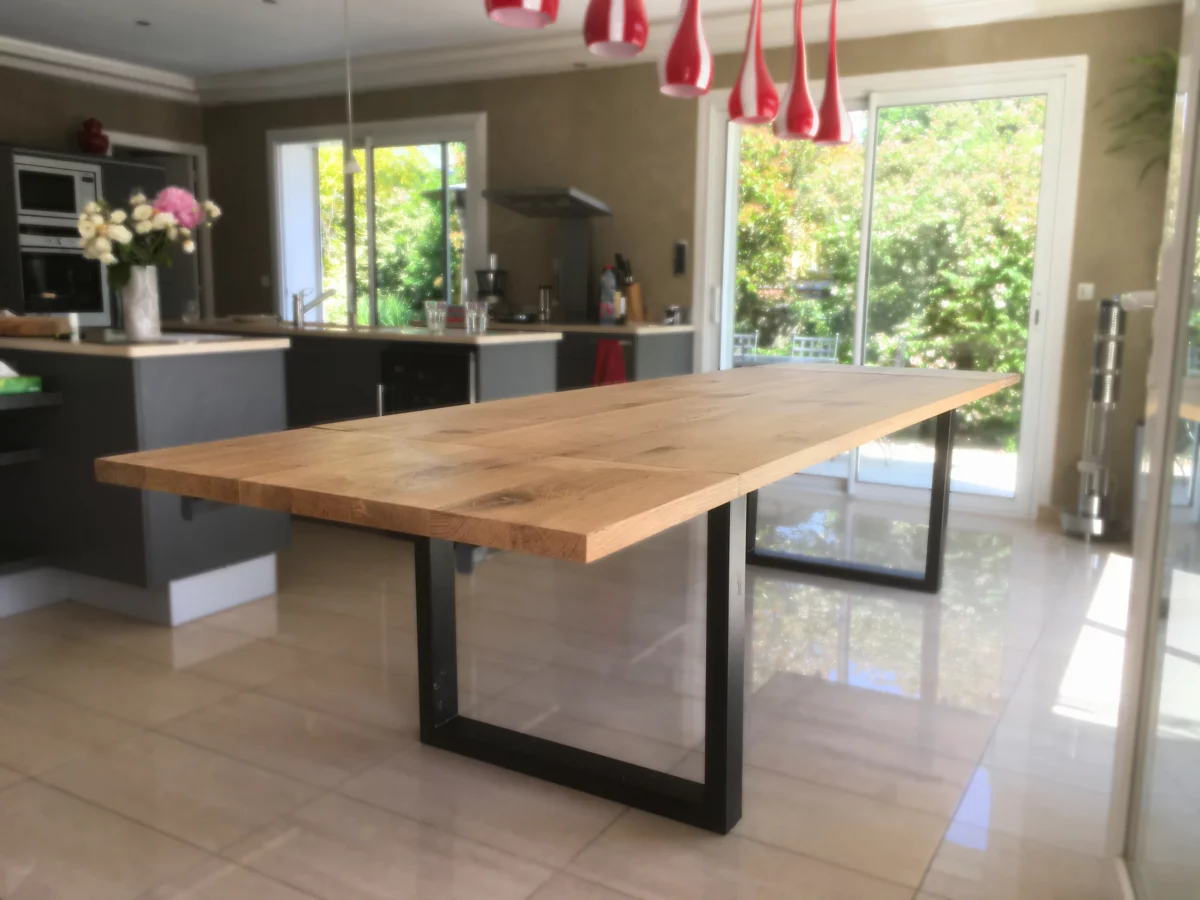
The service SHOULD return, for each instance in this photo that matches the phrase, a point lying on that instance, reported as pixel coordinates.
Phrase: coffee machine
(491, 284)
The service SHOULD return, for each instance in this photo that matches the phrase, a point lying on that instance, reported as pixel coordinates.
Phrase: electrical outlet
(1085, 291)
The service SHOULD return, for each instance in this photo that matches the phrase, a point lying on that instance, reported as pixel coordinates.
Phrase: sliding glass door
(400, 230)
(922, 244)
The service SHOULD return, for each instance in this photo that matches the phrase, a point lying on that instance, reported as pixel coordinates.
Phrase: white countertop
(522, 334)
(638, 328)
(175, 345)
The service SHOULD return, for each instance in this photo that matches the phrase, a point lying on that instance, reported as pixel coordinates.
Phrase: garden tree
(408, 229)
(953, 228)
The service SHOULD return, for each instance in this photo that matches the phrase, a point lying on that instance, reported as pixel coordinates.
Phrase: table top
(576, 475)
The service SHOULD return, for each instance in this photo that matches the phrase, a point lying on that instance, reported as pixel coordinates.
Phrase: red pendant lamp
(687, 69)
(523, 13)
(616, 28)
(799, 119)
(754, 100)
(834, 127)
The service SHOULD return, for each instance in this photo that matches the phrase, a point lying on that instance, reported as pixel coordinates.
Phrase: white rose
(163, 220)
(143, 212)
(101, 246)
(108, 259)
(120, 234)
(97, 219)
(189, 246)
(137, 199)
(185, 232)
(172, 233)
(87, 230)
(91, 207)
(212, 210)
(143, 227)
(117, 217)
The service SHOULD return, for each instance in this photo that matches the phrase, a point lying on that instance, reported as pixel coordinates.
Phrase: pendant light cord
(351, 163)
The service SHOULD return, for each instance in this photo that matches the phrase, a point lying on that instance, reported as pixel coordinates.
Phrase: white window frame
(1064, 81)
(467, 128)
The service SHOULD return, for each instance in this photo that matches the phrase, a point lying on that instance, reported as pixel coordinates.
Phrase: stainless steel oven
(53, 190)
(56, 279)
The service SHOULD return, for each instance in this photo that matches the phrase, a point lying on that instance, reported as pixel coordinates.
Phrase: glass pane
(953, 230)
(332, 203)
(799, 215)
(409, 254)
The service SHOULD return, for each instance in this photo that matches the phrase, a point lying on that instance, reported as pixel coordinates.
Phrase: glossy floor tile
(957, 747)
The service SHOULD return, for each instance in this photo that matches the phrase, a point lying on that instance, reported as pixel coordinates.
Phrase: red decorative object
(92, 138)
(834, 127)
(616, 28)
(523, 13)
(799, 119)
(687, 69)
(754, 100)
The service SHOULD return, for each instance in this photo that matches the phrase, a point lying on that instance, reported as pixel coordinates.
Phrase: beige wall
(45, 112)
(610, 133)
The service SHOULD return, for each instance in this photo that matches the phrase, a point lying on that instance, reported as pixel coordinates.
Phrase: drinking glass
(476, 317)
(435, 316)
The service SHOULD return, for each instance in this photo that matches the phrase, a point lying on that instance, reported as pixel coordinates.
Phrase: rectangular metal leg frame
(715, 804)
(929, 581)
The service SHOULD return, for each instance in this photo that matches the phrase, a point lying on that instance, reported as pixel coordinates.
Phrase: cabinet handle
(471, 377)
(380, 393)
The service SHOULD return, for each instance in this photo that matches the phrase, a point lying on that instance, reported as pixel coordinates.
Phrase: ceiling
(211, 37)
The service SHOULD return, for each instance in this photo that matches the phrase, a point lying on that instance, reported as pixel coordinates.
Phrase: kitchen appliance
(492, 283)
(57, 279)
(574, 210)
(53, 191)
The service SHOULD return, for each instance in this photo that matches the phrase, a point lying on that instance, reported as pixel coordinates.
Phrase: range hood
(574, 209)
(548, 202)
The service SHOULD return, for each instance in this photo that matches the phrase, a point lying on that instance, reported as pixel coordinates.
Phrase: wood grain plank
(575, 475)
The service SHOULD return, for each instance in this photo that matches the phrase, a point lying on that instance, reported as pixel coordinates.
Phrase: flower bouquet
(133, 242)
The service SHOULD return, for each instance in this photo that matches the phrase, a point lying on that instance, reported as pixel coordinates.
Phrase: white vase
(139, 300)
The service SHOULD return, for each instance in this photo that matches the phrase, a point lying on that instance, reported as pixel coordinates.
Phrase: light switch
(1085, 291)
(265, 281)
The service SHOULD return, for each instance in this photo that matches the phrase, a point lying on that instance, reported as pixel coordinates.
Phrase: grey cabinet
(652, 355)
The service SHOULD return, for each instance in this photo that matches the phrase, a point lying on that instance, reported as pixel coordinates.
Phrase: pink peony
(181, 204)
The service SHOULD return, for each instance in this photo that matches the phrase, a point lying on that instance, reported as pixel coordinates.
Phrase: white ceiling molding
(558, 50)
(97, 70)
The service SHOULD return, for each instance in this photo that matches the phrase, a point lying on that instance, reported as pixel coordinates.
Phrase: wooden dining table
(579, 476)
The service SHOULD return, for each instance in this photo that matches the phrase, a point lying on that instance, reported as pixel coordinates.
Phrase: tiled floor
(898, 746)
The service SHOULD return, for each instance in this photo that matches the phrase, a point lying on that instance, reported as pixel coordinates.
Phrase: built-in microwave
(53, 190)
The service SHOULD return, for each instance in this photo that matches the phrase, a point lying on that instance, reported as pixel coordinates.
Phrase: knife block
(635, 308)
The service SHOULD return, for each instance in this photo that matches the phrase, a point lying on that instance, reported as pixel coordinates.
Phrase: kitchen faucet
(301, 308)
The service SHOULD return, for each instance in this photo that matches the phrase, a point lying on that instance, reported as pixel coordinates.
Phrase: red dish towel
(610, 363)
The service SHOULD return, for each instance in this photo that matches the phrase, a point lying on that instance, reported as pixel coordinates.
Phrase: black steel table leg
(928, 581)
(715, 804)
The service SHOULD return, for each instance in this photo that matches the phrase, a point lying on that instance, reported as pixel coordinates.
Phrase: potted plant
(133, 243)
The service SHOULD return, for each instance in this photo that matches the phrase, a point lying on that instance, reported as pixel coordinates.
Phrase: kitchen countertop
(178, 345)
(375, 333)
(636, 328)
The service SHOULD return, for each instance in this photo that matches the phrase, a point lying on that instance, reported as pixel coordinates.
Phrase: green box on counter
(20, 384)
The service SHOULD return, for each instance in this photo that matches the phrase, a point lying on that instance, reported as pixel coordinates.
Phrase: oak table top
(576, 475)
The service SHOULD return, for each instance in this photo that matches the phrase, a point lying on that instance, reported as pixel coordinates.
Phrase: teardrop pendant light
(687, 69)
(834, 127)
(799, 120)
(523, 13)
(616, 28)
(754, 100)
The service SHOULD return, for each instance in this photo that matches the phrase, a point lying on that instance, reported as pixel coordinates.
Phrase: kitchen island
(335, 372)
(161, 558)
(575, 476)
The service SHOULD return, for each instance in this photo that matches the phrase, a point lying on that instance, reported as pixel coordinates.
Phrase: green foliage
(408, 228)
(953, 229)
(1144, 118)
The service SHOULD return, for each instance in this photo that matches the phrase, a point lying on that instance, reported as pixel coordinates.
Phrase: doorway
(936, 239)
(404, 228)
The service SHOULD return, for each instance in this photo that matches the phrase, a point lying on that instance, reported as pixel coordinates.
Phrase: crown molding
(556, 49)
(96, 70)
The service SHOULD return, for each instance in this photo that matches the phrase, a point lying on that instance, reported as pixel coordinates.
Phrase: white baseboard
(182, 601)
